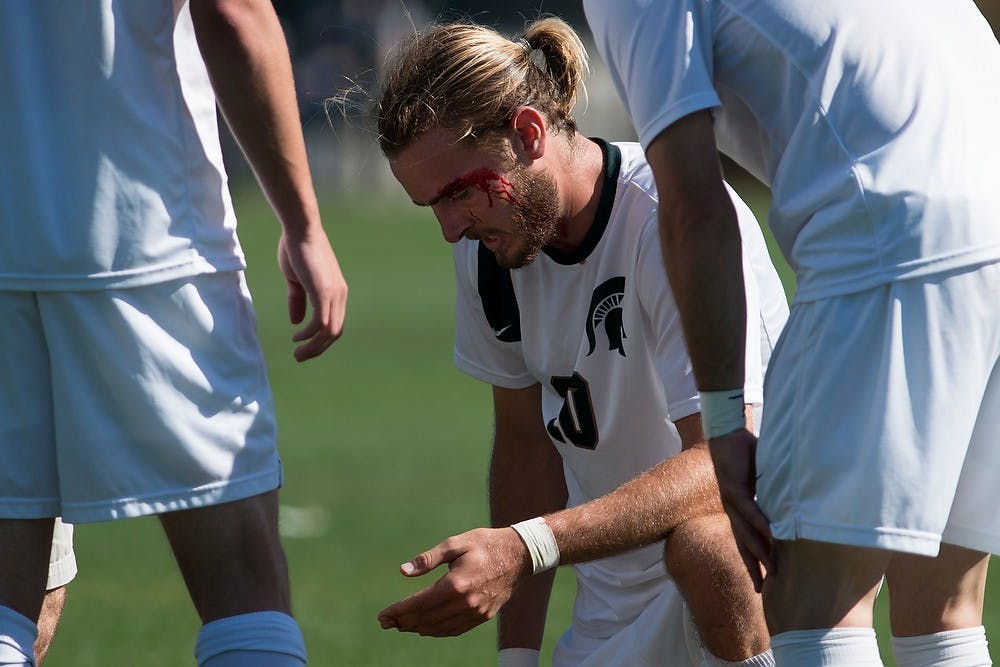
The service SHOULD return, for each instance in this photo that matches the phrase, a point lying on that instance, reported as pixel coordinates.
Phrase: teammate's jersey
(874, 123)
(599, 330)
(111, 170)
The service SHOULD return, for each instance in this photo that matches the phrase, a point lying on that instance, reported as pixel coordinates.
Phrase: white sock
(765, 659)
(260, 639)
(953, 648)
(17, 639)
(828, 647)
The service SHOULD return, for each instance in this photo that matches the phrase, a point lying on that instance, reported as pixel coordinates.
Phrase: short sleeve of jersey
(672, 361)
(670, 355)
(659, 55)
(479, 350)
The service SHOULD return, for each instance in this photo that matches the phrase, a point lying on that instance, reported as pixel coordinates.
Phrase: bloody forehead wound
(483, 179)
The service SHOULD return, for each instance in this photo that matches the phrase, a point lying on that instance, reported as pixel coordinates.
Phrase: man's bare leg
(822, 585)
(702, 558)
(231, 559)
(936, 607)
(24, 559)
(48, 621)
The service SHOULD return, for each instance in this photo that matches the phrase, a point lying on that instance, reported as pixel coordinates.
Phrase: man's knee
(702, 558)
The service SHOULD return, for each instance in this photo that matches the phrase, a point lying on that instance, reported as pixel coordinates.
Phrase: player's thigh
(929, 595)
(821, 585)
(870, 405)
(29, 478)
(701, 545)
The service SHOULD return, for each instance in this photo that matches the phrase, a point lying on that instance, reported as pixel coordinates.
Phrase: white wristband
(541, 543)
(722, 412)
(518, 657)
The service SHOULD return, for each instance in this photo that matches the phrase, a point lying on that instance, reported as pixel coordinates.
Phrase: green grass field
(385, 447)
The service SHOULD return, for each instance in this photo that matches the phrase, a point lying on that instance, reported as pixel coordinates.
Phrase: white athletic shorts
(882, 426)
(122, 403)
(657, 637)
(62, 561)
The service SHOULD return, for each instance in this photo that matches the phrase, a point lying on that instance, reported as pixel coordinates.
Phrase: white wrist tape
(541, 543)
(518, 657)
(722, 412)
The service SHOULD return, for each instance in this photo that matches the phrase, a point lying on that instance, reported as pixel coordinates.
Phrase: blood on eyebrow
(484, 180)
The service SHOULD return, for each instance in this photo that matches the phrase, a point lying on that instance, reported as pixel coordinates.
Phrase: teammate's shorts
(62, 561)
(122, 403)
(656, 637)
(882, 420)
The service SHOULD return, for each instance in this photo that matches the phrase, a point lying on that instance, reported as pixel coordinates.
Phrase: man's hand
(484, 567)
(314, 280)
(735, 468)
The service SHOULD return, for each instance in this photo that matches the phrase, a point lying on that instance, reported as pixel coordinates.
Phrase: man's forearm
(246, 55)
(639, 512)
(706, 274)
(702, 250)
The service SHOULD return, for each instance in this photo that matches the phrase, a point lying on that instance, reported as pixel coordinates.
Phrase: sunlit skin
(514, 208)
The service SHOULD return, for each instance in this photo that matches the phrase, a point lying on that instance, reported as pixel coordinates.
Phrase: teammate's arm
(702, 252)
(244, 50)
(526, 480)
(487, 564)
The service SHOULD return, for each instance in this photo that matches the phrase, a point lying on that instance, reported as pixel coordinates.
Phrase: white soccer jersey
(874, 123)
(118, 179)
(599, 330)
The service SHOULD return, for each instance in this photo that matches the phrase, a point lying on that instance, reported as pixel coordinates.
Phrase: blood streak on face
(484, 180)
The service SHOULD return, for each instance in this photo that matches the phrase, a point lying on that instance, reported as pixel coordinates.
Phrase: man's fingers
(753, 537)
(428, 560)
(322, 330)
(425, 608)
(296, 302)
(446, 617)
(436, 611)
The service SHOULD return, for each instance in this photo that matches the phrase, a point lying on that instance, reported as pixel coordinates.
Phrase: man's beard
(535, 219)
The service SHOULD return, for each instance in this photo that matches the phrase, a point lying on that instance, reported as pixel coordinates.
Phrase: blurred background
(384, 443)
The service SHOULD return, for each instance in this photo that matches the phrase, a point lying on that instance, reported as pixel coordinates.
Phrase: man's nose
(453, 224)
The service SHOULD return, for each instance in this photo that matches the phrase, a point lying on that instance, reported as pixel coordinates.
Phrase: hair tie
(536, 56)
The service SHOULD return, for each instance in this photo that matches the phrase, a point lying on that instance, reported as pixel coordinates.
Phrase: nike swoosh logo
(500, 332)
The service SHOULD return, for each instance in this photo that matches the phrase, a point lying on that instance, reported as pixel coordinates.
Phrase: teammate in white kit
(132, 382)
(563, 307)
(874, 124)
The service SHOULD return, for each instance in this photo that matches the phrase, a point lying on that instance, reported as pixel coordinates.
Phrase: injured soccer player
(599, 456)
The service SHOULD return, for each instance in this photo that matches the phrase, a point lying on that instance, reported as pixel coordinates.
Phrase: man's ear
(529, 134)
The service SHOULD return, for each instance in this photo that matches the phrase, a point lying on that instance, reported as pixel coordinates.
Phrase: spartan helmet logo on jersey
(606, 308)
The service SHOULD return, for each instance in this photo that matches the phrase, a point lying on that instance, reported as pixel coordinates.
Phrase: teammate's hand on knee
(484, 567)
(733, 458)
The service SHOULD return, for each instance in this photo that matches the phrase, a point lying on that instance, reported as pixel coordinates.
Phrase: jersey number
(575, 423)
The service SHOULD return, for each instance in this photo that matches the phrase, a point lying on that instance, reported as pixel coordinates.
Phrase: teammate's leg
(936, 607)
(48, 622)
(62, 570)
(703, 561)
(24, 561)
(231, 559)
(819, 603)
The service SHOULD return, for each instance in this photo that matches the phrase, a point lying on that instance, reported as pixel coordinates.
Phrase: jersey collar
(612, 167)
